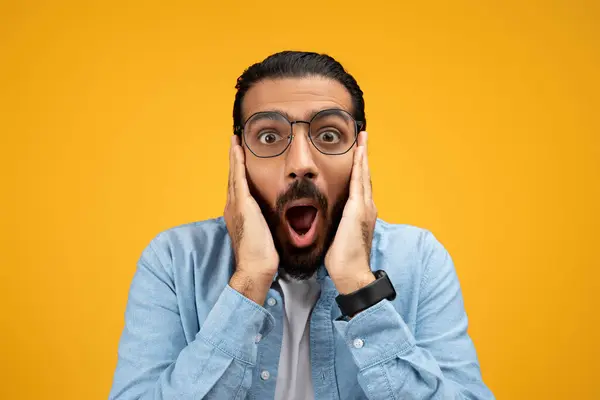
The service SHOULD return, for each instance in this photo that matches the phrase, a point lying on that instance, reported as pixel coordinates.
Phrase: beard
(301, 263)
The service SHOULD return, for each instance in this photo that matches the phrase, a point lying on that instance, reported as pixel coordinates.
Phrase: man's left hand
(347, 260)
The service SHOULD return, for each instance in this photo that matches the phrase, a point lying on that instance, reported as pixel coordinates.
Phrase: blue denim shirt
(189, 335)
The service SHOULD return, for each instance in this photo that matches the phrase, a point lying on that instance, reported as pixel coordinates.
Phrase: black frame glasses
(240, 130)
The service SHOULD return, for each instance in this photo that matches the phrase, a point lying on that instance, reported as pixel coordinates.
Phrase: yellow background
(484, 128)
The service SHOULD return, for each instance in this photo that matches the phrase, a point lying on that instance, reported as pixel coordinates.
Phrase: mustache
(301, 189)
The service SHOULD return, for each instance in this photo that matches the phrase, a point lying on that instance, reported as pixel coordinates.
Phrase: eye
(269, 138)
(329, 137)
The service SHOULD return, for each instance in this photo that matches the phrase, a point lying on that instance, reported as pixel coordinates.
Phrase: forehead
(297, 97)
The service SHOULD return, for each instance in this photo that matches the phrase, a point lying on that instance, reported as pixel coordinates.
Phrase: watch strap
(380, 289)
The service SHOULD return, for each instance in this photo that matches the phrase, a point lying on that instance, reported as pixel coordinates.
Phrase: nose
(299, 161)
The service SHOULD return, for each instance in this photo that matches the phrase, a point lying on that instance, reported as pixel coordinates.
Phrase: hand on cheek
(255, 255)
(347, 260)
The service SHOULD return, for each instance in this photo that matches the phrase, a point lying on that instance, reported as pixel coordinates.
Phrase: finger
(356, 186)
(240, 184)
(230, 193)
(366, 173)
(362, 138)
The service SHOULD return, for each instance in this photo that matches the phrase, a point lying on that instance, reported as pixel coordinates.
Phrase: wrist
(346, 284)
(251, 285)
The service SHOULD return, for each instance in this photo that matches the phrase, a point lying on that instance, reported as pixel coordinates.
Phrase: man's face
(302, 192)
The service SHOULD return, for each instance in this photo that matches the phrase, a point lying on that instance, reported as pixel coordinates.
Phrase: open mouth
(302, 221)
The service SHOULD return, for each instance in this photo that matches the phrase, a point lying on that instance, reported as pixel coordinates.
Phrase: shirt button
(257, 338)
(271, 301)
(264, 375)
(358, 343)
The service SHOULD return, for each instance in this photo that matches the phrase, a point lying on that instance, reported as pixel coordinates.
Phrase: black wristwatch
(380, 289)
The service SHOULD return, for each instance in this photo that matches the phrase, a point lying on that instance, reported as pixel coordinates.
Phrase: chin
(302, 263)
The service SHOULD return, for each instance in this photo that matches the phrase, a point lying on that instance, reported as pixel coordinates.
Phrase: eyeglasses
(269, 133)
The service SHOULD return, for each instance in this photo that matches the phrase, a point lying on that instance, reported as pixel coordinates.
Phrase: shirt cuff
(376, 334)
(234, 325)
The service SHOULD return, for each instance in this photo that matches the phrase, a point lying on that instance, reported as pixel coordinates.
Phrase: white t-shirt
(294, 378)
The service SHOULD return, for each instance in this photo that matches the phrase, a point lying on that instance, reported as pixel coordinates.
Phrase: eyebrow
(311, 114)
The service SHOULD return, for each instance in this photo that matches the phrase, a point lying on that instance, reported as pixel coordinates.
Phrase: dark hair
(297, 64)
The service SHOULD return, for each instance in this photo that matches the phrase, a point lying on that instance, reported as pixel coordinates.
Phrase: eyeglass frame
(358, 125)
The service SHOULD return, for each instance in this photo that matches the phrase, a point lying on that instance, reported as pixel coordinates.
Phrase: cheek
(263, 180)
(337, 178)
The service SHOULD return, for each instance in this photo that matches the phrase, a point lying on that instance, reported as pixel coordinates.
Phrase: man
(299, 291)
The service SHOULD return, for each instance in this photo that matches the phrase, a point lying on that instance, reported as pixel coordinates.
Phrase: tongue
(301, 218)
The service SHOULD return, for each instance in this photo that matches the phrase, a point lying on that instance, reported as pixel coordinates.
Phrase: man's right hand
(256, 258)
